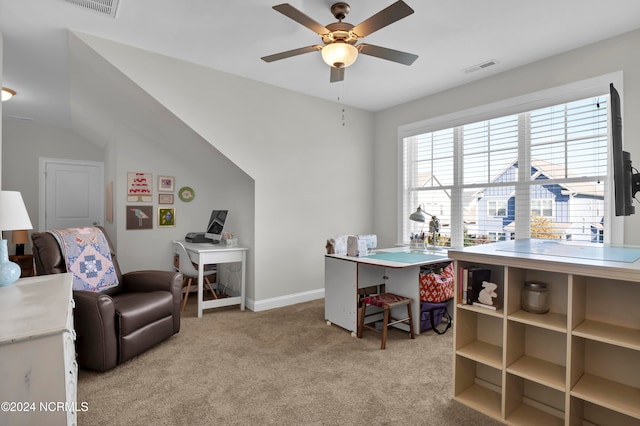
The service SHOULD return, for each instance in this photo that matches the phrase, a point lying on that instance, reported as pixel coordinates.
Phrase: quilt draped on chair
(87, 257)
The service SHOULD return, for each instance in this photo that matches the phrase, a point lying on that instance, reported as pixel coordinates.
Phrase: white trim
(556, 95)
(614, 226)
(281, 301)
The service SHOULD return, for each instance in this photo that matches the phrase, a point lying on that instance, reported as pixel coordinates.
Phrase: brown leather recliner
(115, 325)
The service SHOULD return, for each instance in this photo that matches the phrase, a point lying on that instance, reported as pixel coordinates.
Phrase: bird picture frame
(139, 217)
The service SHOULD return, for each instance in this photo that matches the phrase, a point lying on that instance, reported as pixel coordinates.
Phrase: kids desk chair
(189, 271)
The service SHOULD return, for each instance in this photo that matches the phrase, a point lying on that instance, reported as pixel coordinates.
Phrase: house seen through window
(538, 174)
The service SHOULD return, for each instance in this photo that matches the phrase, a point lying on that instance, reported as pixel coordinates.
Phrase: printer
(197, 237)
(361, 245)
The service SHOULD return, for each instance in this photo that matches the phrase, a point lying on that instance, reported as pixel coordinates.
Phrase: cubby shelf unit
(576, 364)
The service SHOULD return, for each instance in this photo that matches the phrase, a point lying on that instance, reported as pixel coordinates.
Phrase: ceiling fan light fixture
(7, 93)
(339, 54)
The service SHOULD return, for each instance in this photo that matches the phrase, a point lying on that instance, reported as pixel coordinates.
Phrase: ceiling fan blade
(337, 74)
(388, 54)
(291, 12)
(290, 53)
(391, 14)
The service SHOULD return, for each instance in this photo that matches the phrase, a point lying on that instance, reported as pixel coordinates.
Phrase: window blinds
(539, 173)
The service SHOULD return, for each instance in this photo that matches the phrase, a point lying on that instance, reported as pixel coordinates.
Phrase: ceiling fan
(340, 38)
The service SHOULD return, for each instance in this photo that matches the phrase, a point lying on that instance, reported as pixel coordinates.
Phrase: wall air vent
(104, 7)
(478, 67)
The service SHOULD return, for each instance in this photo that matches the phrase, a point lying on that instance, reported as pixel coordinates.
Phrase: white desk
(398, 268)
(207, 254)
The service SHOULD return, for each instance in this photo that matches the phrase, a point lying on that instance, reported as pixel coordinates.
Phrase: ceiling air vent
(105, 7)
(478, 67)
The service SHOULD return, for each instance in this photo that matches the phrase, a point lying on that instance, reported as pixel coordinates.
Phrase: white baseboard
(279, 302)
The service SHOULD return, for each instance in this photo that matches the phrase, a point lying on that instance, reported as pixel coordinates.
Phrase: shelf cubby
(608, 394)
(530, 403)
(584, 412)
(481, 339)
(602, 380)
(528, 355)
(497, 276)
(604, 315)
(478, 386)
(556, 318)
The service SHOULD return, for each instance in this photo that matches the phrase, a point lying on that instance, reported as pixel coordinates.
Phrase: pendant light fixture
(7, 93)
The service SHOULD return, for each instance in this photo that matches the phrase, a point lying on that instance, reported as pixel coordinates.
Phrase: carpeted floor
(284, 366)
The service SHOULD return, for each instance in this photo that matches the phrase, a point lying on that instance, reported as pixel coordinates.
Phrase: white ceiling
(448, 35)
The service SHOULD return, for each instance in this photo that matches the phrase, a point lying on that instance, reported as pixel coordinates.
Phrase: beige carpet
(284, 366)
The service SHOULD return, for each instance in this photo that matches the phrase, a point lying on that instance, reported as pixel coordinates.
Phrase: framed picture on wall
(139, 187)
(186, 194)
(165, 183)
(165, 198)
(166, 217)
(139, 217)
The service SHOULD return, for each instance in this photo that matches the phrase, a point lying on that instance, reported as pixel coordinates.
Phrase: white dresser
(37, 354)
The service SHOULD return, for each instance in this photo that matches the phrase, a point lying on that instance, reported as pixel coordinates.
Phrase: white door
(71, 193)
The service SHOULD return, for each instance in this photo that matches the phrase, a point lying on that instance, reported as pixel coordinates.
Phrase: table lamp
(13, 216)
(434, 224)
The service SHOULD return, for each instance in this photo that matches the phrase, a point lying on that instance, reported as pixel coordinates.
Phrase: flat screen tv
(626, 180)
(216, 225)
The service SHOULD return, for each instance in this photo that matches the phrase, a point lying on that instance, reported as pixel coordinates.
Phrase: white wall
(23, 143)
(1, 81)
(598, 59)
(312, 174)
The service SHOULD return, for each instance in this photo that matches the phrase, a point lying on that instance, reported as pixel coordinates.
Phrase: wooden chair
(385, 301)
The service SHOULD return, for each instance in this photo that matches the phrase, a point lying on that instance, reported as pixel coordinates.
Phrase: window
(539, 174)
(542, 208)
(497, 236)
(497, 208)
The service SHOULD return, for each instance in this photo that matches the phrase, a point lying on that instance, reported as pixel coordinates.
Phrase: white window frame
(497, 236)
(540, 202)
(596, 86)
(502, 205)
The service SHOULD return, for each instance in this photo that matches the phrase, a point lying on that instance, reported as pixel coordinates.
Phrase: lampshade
(339, 54)
(418, 216)
(20, 236)
(13, 216)
(7, 93)
(13, 213)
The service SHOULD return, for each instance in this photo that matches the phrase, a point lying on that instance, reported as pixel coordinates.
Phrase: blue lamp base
(9, 271)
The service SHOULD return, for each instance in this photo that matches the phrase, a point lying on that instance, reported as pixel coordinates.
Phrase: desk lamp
(434, 224)
(13, 216)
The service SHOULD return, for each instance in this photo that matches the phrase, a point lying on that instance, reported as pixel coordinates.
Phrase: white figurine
(488, 293)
